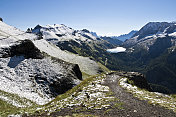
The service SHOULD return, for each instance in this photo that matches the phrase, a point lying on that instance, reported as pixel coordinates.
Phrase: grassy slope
(76, 97)
(7, 107)
(167, 101)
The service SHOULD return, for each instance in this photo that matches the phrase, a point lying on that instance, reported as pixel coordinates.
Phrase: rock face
(29, 73)
(24, 48)
(39, 80)
(137, 79)
(34, 76)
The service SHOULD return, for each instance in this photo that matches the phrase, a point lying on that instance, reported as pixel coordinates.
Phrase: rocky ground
(125, 105)
(133, 107)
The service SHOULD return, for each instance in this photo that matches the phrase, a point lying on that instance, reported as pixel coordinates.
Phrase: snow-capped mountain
(37, 70)
(95, 34)
(118, 40)
(125, 36)
(148, 34)
(156, 28)
(80, 42)
(56, 33)
(154, 50)
(58, 38)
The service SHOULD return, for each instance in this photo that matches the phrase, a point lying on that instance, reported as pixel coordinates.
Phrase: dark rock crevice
(24, 48)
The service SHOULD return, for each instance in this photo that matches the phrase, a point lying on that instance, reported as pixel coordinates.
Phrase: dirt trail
(133, 107)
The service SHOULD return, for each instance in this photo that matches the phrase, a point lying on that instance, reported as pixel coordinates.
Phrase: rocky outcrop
(33, 75)
(137, 79)
(1, 19)
(24, 48)
(38, 80)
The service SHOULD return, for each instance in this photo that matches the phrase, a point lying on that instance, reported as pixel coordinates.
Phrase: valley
(55, 70)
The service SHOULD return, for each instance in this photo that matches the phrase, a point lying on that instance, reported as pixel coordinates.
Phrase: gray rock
(25, 48)
(35, 76)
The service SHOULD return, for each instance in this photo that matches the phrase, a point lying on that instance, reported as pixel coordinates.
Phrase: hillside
(41, 74)
(27, 72)
(80, 42)
(154, 50)
(151, 50)
(103, 95)
(113, 41)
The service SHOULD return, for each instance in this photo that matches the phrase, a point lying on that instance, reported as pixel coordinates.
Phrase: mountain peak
(152, 28)
(60, 32)
(1, 19)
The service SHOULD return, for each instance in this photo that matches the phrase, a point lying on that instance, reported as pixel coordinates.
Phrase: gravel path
(133, 107)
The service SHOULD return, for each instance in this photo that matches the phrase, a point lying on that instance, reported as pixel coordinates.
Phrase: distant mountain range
(118, 40)
(111, 40)
(125, 36)
(151, 50)
(38, 65)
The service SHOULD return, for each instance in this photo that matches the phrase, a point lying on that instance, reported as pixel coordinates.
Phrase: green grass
(7, 109)
(65, 100)
(130, 82)
(85, 75)
(83, 115)
(167, 101)
(16, 98)
(62, 101)
(105, 69)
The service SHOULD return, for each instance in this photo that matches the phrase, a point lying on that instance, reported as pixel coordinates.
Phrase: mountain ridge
(124, 37)
(153, 45)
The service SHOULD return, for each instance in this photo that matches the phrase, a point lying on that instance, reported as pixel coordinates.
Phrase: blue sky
(106, 17)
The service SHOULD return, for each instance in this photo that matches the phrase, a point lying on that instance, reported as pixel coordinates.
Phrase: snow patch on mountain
(86, 65)
(116, 50)
(38, 80)
(56, 32)
(173, 34)
(149, 33)
(9, 34)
